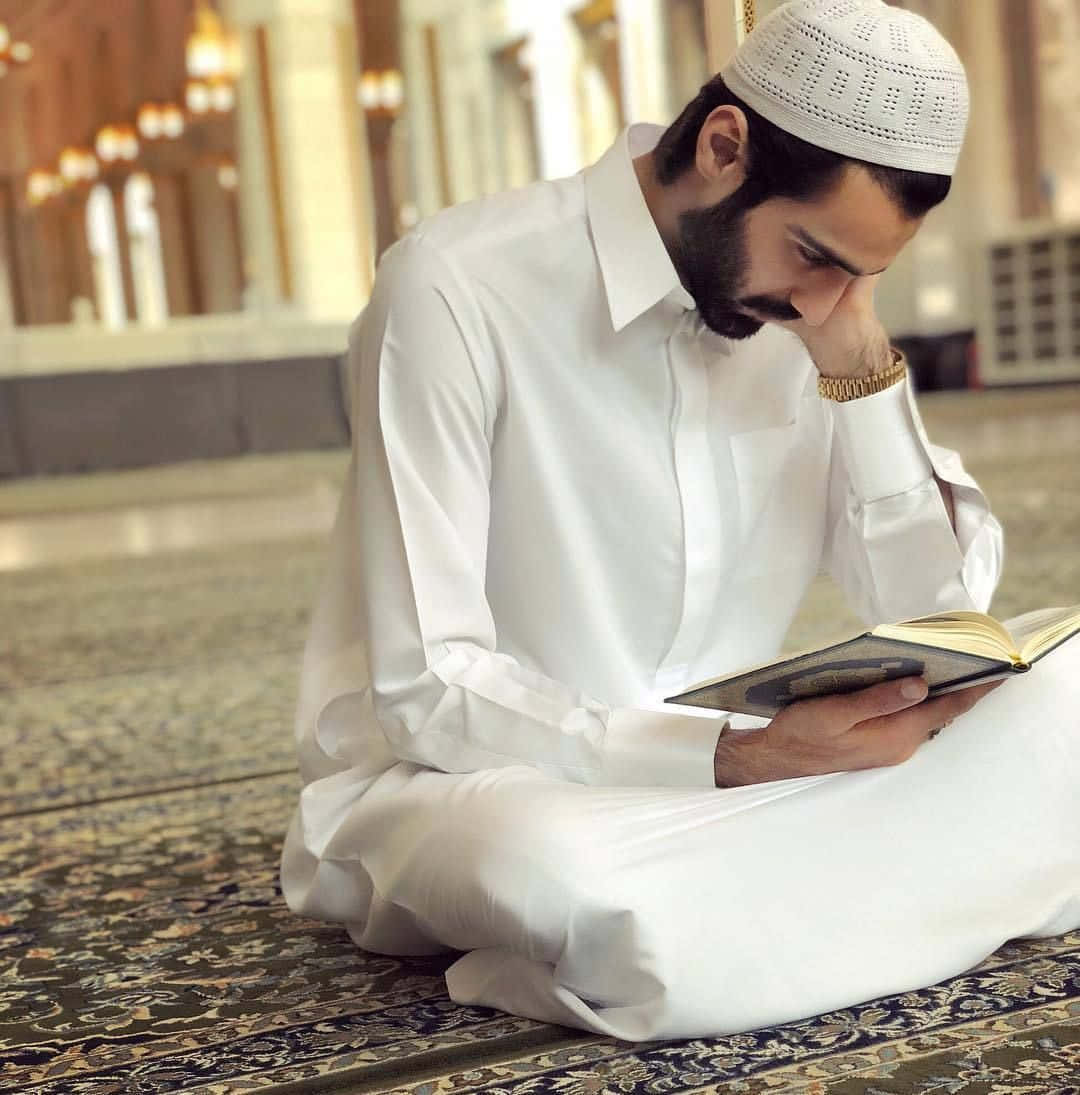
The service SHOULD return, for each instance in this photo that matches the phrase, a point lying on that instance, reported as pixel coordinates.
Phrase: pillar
(933, 287)
(8, 268)
(304, 194)
(123, 241)
(267, 274)
(643, 61)
(558, 126)
(724, 28)
(378, 26)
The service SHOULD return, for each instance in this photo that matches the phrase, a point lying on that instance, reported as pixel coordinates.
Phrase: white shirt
(568, 499)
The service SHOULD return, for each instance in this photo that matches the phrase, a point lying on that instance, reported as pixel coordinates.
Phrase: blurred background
(193, 198)
(194, 193)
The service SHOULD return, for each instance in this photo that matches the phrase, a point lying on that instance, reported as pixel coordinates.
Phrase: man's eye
(812, 258)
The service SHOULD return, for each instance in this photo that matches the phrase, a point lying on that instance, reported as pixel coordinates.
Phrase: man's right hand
(874, 727)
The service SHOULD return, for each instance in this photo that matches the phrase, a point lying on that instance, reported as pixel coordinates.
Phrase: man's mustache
(770, 307)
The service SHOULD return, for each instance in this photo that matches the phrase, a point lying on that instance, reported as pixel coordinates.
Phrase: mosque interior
(193, 198)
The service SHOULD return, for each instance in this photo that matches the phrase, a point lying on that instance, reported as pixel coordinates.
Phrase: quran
(952, 650)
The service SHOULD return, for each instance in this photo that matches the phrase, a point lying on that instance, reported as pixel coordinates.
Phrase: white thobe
(568, 499)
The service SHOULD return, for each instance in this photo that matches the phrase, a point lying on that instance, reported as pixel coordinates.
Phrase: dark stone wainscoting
(939, 362)
(90, 421)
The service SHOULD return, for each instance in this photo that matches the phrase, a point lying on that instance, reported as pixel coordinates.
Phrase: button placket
(699, 499)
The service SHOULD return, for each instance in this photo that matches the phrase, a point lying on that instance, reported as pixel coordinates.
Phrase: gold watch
(841, 389)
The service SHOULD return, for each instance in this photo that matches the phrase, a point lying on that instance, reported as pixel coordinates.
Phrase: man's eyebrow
(828, 252)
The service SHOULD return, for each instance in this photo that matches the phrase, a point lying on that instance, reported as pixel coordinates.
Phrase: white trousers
(659, 913)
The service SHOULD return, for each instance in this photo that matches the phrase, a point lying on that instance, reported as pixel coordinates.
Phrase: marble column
(643, 60)
(933, 286)
(305, 198)
(558, 122)
(7, 262)
(724, 30)
(1060, 104)
(266, 273)
(123, 241)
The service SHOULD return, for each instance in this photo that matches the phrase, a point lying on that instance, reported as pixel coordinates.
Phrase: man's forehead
(856, 220)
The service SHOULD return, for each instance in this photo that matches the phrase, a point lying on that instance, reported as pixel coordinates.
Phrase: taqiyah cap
(859, 77)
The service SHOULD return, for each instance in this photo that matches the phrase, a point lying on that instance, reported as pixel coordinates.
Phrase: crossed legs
(656, 913)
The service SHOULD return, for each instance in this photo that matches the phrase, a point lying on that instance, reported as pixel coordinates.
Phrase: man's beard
(710, 256)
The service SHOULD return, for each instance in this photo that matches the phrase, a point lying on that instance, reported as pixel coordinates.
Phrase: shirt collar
(634, 263)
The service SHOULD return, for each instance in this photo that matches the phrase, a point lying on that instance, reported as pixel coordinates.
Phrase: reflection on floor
(252, 500)
(48, 539)
(152, 624)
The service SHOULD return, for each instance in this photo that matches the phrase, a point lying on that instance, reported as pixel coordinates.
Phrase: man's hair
(782, 165)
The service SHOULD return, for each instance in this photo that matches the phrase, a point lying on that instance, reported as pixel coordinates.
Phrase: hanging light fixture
(381, 93)
(12, 53)
(213, 62)
(116, 142)
(149, 121)
(41, 186)
(222, 96)
(159, 121)
(369, 91)
(128, 142)
(210, 96)
(70, 166)
(78, 165)
(107, 144)
(207, 52)
(172, 121)
(227, 175)
(197, 97)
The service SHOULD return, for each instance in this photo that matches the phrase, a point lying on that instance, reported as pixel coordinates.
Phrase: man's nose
(817, 299)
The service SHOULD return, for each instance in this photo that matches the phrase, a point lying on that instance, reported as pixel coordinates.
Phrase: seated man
(607, 429)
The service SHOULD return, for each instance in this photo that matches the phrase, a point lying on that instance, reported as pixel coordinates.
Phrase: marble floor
(46, 522)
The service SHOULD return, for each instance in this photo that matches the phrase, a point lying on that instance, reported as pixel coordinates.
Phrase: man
(607, 430)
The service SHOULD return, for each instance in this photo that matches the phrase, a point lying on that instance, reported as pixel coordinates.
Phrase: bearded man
(607, 430)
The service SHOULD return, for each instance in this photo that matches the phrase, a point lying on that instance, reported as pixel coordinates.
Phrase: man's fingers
(954, 704)
(880, 725)
(869, 703)
(911, 728)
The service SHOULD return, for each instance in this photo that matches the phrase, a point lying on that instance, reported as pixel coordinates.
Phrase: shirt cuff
(881, 445)
(645, 748)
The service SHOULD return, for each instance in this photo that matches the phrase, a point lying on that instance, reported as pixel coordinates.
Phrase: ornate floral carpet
(144, 947)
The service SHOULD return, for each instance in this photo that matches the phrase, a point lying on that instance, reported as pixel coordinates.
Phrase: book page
(1036, 632)
(971, 632)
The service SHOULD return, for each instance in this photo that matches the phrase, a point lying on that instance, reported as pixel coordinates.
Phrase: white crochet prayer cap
(859, 77)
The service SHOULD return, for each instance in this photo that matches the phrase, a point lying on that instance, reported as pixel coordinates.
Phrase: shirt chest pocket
(781, 476)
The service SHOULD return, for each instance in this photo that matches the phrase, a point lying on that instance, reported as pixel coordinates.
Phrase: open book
(950, 649)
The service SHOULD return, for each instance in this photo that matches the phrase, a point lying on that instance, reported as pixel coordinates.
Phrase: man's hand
(872, 728)
(851, 341)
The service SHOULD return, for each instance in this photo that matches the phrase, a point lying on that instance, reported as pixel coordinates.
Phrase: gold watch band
(841, 389)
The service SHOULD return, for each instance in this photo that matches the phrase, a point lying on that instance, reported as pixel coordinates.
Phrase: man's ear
(722, 149)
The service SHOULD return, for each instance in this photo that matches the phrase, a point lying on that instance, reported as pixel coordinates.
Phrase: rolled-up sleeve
(891, 545)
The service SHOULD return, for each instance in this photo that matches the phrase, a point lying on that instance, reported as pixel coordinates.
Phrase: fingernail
(913, 689)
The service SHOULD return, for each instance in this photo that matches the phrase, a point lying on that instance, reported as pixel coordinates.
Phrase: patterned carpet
(147, 776)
